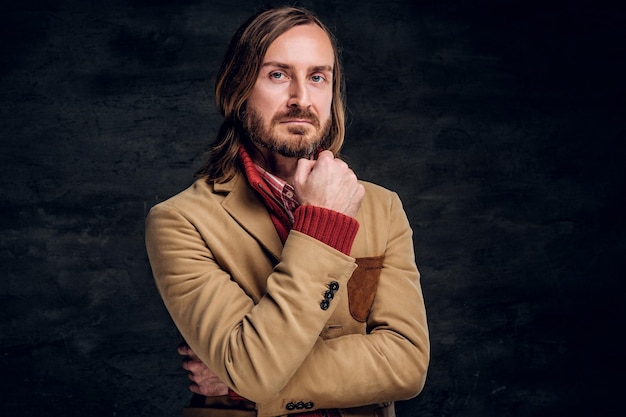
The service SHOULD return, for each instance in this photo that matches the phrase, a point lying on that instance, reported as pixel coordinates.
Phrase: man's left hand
(203, 380)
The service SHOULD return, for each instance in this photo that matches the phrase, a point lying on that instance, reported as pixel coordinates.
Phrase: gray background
(499, 123)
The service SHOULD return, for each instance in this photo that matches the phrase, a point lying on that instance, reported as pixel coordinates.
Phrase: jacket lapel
(248, 210)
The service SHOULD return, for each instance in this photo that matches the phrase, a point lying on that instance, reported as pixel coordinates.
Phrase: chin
(297, 150)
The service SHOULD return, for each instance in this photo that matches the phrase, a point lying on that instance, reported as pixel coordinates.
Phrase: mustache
(297, 113)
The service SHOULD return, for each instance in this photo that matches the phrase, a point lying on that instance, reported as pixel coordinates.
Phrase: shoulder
(380, 204)
(377, 194)
(381, 218)
(199, 197)
(201, 192)
(374, 188)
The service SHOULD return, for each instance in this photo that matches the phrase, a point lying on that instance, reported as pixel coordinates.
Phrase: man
(293, 283)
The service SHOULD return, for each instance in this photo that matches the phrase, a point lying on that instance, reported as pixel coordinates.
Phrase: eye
(318, 78)
(277, 75)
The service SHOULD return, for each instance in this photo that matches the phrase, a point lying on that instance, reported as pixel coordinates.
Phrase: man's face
(289, 110)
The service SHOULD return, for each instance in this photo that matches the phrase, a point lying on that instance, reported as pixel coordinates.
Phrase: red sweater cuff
(328, 226)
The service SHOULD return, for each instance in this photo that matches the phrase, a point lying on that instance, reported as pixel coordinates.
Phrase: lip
(298, 121)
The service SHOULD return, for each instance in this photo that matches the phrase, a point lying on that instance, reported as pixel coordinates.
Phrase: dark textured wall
(499, 123)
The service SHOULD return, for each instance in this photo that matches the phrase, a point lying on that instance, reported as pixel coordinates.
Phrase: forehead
(303, 44)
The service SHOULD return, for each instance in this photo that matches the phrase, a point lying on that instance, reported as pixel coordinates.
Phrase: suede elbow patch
(363, 285)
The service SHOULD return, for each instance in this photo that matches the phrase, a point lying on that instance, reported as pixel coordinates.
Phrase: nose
(299, 94)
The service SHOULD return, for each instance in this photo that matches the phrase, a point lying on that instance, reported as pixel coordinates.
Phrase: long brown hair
(238, 74)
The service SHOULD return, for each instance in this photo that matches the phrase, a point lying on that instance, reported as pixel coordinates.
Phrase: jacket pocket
(362, 286)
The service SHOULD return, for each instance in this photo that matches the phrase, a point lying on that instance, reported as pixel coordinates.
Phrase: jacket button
(334, 285)
(329, 295)
(308, 405)
(324, 304)
(300, 405)
(290, 406)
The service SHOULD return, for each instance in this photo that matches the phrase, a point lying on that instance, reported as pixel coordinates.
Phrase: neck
(282, 166)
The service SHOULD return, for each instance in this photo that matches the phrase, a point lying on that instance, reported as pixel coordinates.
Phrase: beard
(297, 142)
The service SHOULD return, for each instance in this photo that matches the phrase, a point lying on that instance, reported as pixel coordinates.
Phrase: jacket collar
(246, 207)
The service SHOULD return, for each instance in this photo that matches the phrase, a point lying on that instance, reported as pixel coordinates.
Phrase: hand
(203, 380)
(328, 182)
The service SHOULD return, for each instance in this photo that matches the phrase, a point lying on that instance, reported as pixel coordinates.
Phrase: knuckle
(326, 155)
(340, 165)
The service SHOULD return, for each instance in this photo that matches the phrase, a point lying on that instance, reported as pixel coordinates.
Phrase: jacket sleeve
(391, 361)
(254, 348)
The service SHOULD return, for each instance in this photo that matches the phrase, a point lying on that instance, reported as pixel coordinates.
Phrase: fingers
(326, 161)
(303, 170)
(203, 380)
(200, 374)
(184, 350)
(326, 155)
(207, 385)
(328, 182)
(197, 367)
(305, 166)
(209, 390)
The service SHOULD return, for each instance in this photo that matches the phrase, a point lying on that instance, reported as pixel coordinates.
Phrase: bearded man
(293, 283)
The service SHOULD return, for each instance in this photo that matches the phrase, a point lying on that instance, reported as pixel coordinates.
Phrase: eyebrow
(316, 68)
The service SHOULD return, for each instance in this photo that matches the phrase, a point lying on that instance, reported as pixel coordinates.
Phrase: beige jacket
(251, 307)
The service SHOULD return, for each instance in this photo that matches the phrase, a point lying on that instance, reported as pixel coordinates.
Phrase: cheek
(324, 106)
(264, 103)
